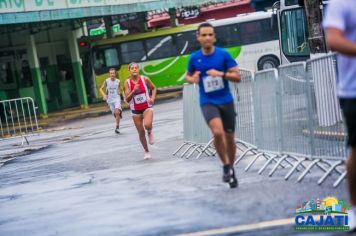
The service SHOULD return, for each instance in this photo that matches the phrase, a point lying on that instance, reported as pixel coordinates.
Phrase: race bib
(141, 98)
(213, 83)
(112, 92)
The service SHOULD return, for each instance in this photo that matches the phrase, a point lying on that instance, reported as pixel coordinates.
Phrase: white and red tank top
(139, 100)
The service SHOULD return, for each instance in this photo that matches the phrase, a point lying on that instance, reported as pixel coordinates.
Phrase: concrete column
(77, 68)
(108, 27)
(36, 76)
(173, 16)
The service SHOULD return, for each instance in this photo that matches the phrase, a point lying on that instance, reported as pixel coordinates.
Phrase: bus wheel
(268, 62)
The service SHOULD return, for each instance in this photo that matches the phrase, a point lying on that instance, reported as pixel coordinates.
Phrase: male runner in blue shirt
(211, 67)
(340, 29)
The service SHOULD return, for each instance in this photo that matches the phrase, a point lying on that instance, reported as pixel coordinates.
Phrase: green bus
(163, 55)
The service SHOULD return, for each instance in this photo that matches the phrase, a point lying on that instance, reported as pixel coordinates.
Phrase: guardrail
(18, 119)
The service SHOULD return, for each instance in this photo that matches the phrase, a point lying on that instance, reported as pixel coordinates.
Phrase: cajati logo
(329, 214)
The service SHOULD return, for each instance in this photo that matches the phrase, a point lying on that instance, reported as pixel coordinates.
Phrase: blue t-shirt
(212, 90)
(342, 15)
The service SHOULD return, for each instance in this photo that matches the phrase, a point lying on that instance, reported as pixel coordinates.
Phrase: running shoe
(233, 181)
(227, 173)
(147, 156)
(117, 130)
(151, 139)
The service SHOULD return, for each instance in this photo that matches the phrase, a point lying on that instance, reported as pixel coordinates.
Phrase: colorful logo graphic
(329, 214)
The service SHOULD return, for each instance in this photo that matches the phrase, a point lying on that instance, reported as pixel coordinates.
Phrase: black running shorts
(348, 107)
(139, 112)
(226, 112)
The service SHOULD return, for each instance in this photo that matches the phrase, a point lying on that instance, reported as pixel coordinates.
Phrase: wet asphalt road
(85, 180)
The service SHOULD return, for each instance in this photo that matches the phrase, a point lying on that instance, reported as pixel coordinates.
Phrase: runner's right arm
(128, 93)
(102, 92)
(193, 77)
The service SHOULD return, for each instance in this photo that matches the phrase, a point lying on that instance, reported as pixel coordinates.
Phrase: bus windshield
(294, 38)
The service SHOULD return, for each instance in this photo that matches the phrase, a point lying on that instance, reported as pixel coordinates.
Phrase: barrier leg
(277, 165)
(213, 152)
(189, 146)
(325, 169)
(24, 138)
(194, 149)
(253, 161)
(180, 147)
(327, 173)
(269, 160)
(295, 166)
(341, 178)
(301, 177)
(210, 152)
(242, 143)
(243, 155)
(205, 147)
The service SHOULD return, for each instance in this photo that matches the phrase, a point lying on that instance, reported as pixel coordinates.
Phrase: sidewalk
(94, 110)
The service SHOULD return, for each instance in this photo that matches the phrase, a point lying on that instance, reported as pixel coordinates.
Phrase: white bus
(257, 37)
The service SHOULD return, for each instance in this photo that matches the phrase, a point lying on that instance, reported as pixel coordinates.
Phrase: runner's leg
(217, 129)
(113, 111)
(228, 117)
(147, 121)
(230, 147)
(138, 121)
(117, 117)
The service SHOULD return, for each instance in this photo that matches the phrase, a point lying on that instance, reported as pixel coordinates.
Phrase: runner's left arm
(152, 87)
(231, 74)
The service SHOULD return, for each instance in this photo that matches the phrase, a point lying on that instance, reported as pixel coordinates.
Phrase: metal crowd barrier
(289, 127)
(262, 116)
(197, 136)
(267, 120)
(18, 119)
(292, 104)
(327, 130)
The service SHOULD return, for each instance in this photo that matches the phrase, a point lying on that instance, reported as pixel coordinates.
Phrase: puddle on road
(9, 157)
(62, 128)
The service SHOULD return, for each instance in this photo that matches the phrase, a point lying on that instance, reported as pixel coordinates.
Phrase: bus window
(294, 37)
(132, 51)
(257, 32)
(187, 43)
(291, 2)
(111, 57)
(99, 61)
(106, 58)
(227, 36)
(160, 47)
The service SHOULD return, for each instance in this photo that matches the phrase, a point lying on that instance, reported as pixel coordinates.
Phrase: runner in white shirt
(112, 96)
